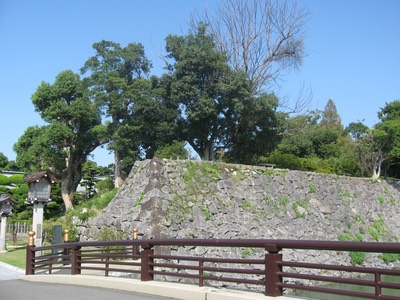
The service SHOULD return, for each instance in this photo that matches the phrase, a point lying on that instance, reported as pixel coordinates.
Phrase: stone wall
(193, 199)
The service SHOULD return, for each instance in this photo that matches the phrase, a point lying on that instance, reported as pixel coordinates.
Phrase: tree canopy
(74, 130)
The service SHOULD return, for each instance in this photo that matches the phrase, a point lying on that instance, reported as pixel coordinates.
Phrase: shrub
(357, 258)
(105, 185)
(173, 151)
(16, 179)
(3, 180)
(283, 160)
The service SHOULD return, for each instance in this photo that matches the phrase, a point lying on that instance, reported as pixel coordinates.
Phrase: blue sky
(353, 51)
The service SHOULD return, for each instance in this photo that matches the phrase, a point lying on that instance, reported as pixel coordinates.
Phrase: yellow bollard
(135, 248)
(66, 235)
(31, 240)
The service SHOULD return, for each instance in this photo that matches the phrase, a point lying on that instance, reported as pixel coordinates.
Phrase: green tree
(117, 80)
(3, 161)
(387, 136)
(357, 130)
(156, 117)
(74, 130)
(174, 150)
(251, 127)
(198, 74)
(219, 112)
(89, 173)
(330, 117)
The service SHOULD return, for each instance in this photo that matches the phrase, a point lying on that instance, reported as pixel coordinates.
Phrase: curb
(157, 288)
(16, 269)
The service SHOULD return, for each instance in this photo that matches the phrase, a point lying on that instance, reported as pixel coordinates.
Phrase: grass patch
(90, 208)
(15, 257)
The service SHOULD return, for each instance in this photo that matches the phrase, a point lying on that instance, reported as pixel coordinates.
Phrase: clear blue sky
(353, 51)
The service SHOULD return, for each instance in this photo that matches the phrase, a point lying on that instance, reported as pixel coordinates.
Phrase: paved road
(18, 289)
(12, 288)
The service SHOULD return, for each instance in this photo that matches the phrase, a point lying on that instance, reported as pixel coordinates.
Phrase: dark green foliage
(74, 130)
(283, 160)
(118, 85)
(104, 185)
(219, 111)
(4, 180)
(357, 130)
(89, 172)
(3, 161)
(173, 151)
(16, 178)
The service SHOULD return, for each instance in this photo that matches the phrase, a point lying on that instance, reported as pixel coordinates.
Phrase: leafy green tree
(199, 72)
(117, 80)
(174, 150)
(297, 134)
(370, 154)
(387, 136)
(251, 127)
(357, 130)
(156, 117)
(391, 111)
(89, 173)
(3, 161)
(331, 118)
(74, 130)
(219, 111)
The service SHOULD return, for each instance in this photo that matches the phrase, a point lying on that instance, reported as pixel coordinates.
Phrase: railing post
(272, 268)
(378, 289)
(30, 254)
(75, 261)
(135, 248)
(146, 262)
(201, 272)
(67, 251)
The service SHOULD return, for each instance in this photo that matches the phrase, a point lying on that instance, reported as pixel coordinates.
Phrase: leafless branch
(261, 37)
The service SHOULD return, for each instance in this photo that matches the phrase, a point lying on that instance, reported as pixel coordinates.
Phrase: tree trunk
(117, 171)
(66, 193)
(377, 165)
(71, 181)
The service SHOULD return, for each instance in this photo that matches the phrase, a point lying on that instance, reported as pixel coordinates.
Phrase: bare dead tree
(264, 38)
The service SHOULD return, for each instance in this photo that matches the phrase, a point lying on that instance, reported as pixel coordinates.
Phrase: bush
(65, 222)
(283, 160)
(3, 180)
(105, 185)
(173, 151)
(16, 179)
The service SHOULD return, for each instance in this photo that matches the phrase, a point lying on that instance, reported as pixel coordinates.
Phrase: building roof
(36, 176)
(7, 197)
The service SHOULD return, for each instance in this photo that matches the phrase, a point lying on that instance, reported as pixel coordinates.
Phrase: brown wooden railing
(152, 259)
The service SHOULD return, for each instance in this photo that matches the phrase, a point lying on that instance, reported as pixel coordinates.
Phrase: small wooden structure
(39, 195)
(40, 187)
(6, 203)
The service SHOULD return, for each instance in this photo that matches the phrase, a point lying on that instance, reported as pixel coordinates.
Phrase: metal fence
(158, 260)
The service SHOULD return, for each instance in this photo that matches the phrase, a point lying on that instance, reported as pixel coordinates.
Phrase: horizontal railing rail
(156, 259)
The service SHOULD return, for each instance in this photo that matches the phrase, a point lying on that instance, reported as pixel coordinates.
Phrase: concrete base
(166, 289)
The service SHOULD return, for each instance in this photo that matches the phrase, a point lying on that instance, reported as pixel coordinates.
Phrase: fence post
(30, 254)
(378, 289)
(67, 251)
(135, 248)
(146, 262)
(75, 261)
(272, 268)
